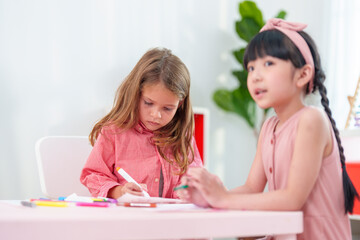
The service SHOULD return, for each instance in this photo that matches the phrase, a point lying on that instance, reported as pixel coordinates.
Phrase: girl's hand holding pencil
(128, 187)
(134, 189)
(131, 186)
(189, 193)
(206, 186)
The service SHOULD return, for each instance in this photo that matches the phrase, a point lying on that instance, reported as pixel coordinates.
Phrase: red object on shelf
(199, 133)
(353, 169)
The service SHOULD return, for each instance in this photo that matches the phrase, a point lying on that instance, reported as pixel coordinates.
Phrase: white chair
(60, 161)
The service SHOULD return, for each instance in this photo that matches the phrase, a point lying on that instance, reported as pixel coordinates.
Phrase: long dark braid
(349, 190)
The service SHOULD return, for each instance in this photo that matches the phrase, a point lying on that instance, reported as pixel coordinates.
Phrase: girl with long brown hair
(148, 132)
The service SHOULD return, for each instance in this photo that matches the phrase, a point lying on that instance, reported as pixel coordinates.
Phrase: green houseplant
(238, 100)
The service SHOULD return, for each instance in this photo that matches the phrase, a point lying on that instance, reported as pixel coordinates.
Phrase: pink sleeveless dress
(324, 212)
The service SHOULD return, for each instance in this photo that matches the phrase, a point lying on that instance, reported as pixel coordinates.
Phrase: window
(341, 56)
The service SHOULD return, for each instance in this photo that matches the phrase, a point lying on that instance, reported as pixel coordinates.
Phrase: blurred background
(61, 62)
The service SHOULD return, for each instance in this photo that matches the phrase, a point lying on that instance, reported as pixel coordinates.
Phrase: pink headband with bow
(290, 29)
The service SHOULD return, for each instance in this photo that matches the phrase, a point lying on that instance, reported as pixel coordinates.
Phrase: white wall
(61, 61)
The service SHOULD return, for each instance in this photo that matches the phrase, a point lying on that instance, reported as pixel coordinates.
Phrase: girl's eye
(268, 63)
(167, 109)
(147, 103)
(250, 68)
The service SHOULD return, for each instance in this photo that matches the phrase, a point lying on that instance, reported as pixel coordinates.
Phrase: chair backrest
(60, 161)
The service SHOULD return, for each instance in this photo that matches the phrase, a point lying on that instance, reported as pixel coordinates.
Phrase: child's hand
(197, 198)
(129, 187)
(182, 193)
(208, 186)
(191, 194)
(134, 189)
(144, 187)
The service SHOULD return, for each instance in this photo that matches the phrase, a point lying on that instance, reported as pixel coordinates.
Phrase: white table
(18, 222)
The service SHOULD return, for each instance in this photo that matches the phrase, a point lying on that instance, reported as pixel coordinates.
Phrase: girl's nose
(255, 76)
(156, 113)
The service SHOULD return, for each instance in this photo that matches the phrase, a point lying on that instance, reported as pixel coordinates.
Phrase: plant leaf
(239, 55)
(223, 99)
(281, 14)
(237, 101)
(248, 9)
(242, 78)
(244, 105)
(247, 28)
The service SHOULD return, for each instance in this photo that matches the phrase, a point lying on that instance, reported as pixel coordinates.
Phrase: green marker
(181, 187)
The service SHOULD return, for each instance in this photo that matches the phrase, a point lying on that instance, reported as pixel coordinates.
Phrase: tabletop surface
(116, 222)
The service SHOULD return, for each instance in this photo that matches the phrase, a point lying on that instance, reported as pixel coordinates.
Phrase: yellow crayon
(51, 204)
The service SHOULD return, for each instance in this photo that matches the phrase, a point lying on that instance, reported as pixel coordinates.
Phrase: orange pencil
(151, 205)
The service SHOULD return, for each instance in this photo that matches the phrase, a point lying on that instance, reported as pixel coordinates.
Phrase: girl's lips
(259, 92)
(153, 123)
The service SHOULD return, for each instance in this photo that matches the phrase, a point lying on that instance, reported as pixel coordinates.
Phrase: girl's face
(157, 106)
(271, 81)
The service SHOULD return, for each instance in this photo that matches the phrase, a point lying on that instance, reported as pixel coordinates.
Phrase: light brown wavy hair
(156, 65)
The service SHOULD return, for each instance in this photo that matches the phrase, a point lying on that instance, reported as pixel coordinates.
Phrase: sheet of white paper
(180, 207)
(75, 198)
(130, 198)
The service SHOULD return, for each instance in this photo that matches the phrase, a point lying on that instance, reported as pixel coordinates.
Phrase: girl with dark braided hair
(299, 153)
